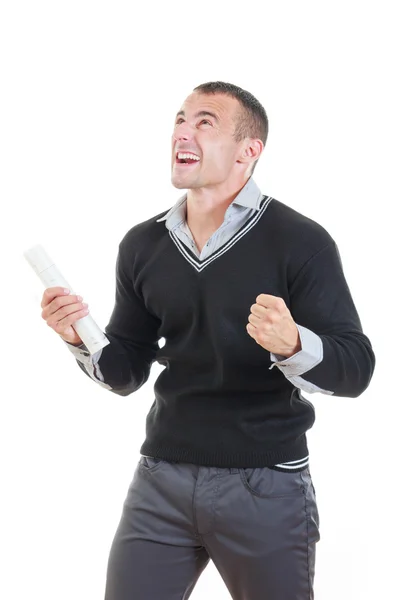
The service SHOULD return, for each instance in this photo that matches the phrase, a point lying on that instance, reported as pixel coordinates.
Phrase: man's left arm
(318, 344)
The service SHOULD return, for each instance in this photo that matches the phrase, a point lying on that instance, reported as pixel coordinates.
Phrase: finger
(269, 301)
(60, 325)
(251, 330)
(64, 304)
(255, 321)
(50, 293)
(57, 303)
(259, 311)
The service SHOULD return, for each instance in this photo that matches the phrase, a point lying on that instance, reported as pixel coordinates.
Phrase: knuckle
(66, 311)
(56, 302)
(266, 319)
(281, 303)
(266, 328)
(45, 300)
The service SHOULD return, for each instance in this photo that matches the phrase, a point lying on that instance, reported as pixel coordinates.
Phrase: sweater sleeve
(321, 302)
(123, 366)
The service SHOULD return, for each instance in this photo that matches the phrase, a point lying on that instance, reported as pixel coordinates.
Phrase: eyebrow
(201, 113)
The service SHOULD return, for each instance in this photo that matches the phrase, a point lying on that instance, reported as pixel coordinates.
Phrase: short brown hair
(252, 121)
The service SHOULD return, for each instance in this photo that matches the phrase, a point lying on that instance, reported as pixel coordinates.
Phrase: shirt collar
(249, 196)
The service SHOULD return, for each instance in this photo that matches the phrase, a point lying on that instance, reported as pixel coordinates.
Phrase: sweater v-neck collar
(198, 264)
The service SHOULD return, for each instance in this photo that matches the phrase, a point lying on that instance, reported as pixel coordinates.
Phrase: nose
(182, 132)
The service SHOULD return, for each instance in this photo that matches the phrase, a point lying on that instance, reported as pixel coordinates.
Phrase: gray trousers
(259, 527)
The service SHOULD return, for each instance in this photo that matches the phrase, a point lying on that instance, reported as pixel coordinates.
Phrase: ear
(251, 151)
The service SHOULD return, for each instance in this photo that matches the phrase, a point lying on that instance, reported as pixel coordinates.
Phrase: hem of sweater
(252, 458)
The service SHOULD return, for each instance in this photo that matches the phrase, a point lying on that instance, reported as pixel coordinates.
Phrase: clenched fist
(271, 325)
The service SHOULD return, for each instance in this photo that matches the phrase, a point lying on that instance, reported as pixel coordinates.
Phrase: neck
(206, 207)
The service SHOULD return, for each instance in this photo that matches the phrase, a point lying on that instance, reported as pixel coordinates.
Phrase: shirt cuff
(82, 354)
(307, 358)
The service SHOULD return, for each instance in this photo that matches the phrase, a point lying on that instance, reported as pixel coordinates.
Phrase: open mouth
(186, 158)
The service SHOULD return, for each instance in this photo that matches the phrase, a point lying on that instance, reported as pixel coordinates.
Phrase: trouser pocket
(264, 482)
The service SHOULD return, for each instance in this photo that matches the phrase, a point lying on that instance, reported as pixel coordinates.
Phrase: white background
(89, 91)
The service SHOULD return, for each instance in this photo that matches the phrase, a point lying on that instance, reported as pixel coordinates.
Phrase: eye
(179, 121)
(205, 121)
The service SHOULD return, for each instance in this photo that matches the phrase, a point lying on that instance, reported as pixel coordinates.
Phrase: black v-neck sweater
(217, 402)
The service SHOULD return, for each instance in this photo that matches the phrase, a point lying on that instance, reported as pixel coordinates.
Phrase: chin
(180, 183)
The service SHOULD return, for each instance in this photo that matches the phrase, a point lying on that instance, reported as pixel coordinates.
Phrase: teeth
(184, 155)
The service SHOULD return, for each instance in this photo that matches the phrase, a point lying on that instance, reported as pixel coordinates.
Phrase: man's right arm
(123, 366)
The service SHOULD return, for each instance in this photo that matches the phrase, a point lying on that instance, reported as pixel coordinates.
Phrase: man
(252, 301)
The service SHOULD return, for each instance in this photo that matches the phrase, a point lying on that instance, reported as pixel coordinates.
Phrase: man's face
(204, 127)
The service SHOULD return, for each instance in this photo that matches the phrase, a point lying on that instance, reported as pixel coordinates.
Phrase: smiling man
(252, 301)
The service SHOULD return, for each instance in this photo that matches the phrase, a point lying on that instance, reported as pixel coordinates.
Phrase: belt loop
(233, 470)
